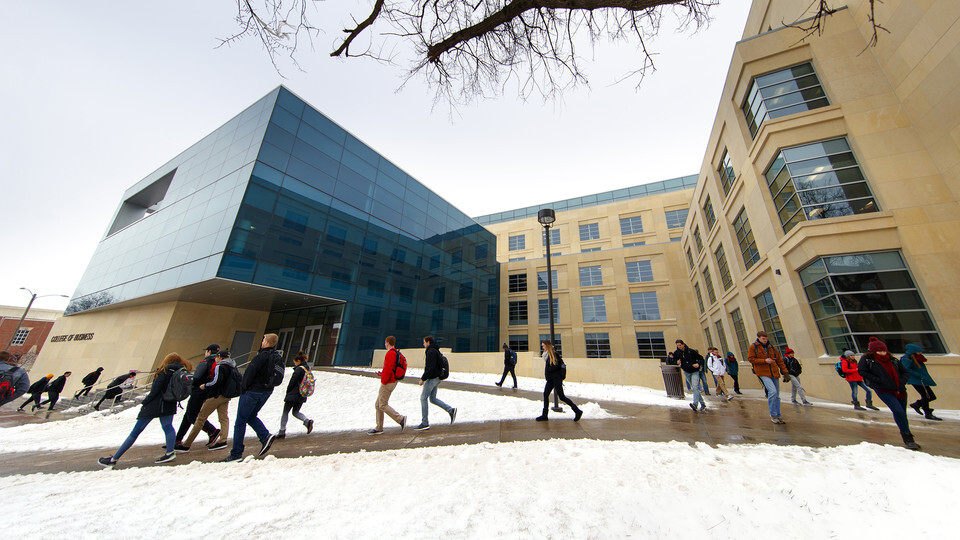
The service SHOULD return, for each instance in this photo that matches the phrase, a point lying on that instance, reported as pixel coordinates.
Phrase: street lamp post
(33, 296)
(546, 217)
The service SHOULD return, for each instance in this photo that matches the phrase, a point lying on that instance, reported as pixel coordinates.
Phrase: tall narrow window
(706, 333)
(782, 93)
(722, 337)
(708, 280)
(816, 181)
(696, 290)
(544, 309)
(638, 271)
(589, 231)
(722, 267)
(645, 306)
(726, 172)
(594, 309)
(517, 242)
(770, 318)
(708, 214)
(631, 225)
(590, 276)
(740, 330)
(748, 246)
(690, 259)
(697, 240)
(598, 344)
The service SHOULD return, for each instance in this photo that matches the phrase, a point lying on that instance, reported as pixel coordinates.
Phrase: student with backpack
(256, 386)
(14, 381)
(433, 368)
(198, 396)
(509, 365)
(299, 389)
(394, 369)
(794, 368)
(155, 405)
(114, 390)
(769, 366)
(888, 378)
(36, 392)
(555, 371)
(224, 386)
(848, 368)
(88, 381)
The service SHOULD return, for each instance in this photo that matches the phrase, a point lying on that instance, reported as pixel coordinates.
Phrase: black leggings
(556, 384)
(52, 398)
(33, 397)
(736, 383)
(85, 391)
(926, 396)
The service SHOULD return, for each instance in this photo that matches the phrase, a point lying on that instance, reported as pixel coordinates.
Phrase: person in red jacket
(388, 381)
(848, 364)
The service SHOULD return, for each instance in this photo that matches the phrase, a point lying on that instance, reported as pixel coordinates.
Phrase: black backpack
(444, 367)
(276, 375)
(793, 367)
(232, 382)
(179, 386)
(8, 384)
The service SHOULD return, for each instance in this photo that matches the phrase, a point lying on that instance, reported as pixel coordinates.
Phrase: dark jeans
(190, 416)
(736, 383)
(52, 398)
(853, 390)
(899, 409)
(33, 397)
(926, 396)
(116, 399)
(556, 385)
(248, 405)
(508, 369)
(85, 391)
(166, 422)
(703, 382)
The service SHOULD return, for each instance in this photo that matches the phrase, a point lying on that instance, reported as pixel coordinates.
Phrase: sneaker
(281, 435)
(422, 427)
(309, 426)
(774, 419)
(807, 403)
(795, 402)
(230, 458)
(181, 448)
(107, 462)
(453, 414)
(266, 445)
(693, 406)
(729, 398)
(217, 446)
(703, 406)
(213, 436)
(169, 456)
(375, 431)
(403, 423)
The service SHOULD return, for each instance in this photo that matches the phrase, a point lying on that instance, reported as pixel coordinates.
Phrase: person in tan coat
(769, 366)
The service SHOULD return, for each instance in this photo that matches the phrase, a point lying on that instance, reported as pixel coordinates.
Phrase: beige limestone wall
(194, 326)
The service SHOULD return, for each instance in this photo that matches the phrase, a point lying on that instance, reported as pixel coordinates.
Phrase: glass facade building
(282, 210)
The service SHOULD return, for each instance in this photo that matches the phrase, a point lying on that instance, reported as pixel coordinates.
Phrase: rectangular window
(696, 290)
(645, 306)
(517, 259)
(517, 282)
(518, 312)
(781, 93)
(689, 259)
(858, 295)
(697, 240)
(598, 344)
(722, 336)
(544, 308)
(706, 333)
(676, 218)
(633, 244)
(589, 231)
(708, 280)
(748, 246)
(639, 271)
(557, 343)
(741, 332)
(519, 343)
(594, 309)
(770, 319)
(554, 237)
(651, 345)
(590, 276)
(631, 225)
(817, 181)
(589, 250)
(21, 337)
(725, 278)
(518, 242)
(542, 280)
(708, 214)
(726, 172)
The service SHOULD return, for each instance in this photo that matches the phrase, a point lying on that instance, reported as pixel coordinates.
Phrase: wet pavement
(741, 421)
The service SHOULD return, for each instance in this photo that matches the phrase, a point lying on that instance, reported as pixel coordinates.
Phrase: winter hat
(875, 345)
(212, 348)
(788, 350)
(505, 346)
(99, 369)
(911, 349)
(49, 375)
(848, 353)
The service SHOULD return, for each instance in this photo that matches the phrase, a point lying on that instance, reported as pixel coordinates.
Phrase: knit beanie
(788, 350)
(875, 345)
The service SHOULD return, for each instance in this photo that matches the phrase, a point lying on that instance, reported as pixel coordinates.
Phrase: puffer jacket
(717, 365)
(917, 373)
(153, 405)
(849, 368)
(758, 353)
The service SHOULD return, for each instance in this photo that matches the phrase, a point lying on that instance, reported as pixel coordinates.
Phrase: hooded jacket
(917, 373)
(258, 376)
(57, 385)
(431, 364)
(91, 378)
(733, 368)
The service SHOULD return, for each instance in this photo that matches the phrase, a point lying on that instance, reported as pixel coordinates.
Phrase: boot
(577, 413)
(930, 416)
(870, 405)
(856, 405)
(909, 442)
(543, 417)
(916, 406)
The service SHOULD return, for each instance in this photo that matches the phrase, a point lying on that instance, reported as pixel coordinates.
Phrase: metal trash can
(672, 381)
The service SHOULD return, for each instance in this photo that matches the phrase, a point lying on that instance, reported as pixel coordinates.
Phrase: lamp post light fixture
(33, 296)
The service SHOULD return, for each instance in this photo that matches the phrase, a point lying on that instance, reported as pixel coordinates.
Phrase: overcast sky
(98, 94)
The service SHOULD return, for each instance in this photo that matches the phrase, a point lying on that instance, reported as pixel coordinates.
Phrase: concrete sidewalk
(741, 421)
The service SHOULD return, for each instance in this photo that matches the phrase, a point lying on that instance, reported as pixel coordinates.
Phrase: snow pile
(540, 489)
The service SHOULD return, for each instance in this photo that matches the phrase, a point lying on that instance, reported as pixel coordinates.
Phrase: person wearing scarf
(888, 380)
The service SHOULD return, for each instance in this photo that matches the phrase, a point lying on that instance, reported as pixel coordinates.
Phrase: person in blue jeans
(690, 361)
(257, 385)
(430, 380)
(888, 378)
(154, 406)
(769, 367)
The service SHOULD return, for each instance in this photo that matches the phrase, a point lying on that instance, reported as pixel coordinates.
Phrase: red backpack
(400, 366)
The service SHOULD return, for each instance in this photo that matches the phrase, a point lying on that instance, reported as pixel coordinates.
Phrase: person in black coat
(293, 400)
(509, 365)
(88, 381)
(36, 392)
(888, 378)
(553, 372)
(201, 376)
(691, 362)
(154, 406)
(54, 389)
(114, 390)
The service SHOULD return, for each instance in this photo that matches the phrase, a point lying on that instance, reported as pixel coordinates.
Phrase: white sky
(99, 94)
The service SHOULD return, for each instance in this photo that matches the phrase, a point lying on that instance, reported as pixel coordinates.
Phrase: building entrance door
(285, 343)
(320, 343)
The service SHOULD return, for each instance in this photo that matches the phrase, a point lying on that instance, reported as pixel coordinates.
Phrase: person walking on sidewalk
(690, 361)
(256, 387)
(154, 406)
(718, 367)
(918, 377)
(388, 382)
(703, 378)
(430, 381)
(733, 369)
(202, 375)
(114, 391)
(36, 392)
(54, 389)
(88, 381)
(293, 399)
(848, 365)
(14, 381)
(794, 368)
(888, 378)
(224, 386)
(509, 365)
(767, 364)
(554, 371)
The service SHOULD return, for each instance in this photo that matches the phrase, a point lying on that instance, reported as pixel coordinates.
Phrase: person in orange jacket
(769, 366)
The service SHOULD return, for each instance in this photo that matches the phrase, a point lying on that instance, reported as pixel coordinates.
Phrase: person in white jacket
(718, 366)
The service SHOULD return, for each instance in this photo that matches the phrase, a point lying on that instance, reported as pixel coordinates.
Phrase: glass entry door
(285, 343)
(320, 343)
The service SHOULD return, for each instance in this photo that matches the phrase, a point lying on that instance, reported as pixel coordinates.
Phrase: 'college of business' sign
(71, 337)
